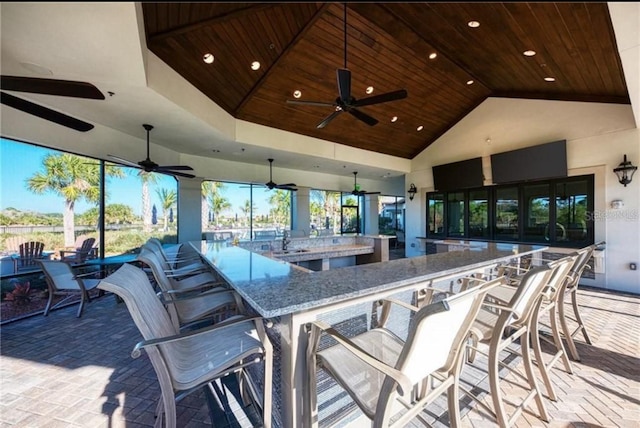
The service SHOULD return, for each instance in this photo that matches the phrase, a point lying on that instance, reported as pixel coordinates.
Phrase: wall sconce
(625, 171)
(412, 191)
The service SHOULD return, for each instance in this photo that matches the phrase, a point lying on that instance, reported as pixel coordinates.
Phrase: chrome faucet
(285, 241)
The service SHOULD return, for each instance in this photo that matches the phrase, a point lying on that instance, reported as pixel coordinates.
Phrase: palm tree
(209, 188)
(247, 209)
(146, 178)
(168, 198)
(218, 204)
(73, 178)
(280, 201)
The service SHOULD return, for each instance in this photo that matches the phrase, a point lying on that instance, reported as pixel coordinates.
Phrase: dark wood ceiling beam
(238, 13)
(321, 10)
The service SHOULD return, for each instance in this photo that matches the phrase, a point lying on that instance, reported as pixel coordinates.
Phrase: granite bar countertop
(275, 288)
(316, 253)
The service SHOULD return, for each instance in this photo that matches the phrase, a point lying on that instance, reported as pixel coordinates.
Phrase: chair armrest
(177, 337)
(176, 274)
(404, 384)
(199, 288)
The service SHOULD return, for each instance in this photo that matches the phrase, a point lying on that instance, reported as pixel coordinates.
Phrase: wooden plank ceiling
(301, 45)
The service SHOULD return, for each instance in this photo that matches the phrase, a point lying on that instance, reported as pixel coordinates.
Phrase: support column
(301, 213)
(371, 215)
(189, 210)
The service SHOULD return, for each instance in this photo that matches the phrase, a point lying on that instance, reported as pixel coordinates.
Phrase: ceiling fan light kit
(345, 102)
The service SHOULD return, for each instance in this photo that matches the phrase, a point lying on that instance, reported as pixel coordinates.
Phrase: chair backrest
(152, 259)
(584, 255)
(30, 251)
(85, 249)
(438, 332)
(12, 243)
(528, 291)
(133, 287)
(59, 275)
(561, 275)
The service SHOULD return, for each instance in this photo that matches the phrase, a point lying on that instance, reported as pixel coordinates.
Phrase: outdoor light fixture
(625, 171)
(412, 191)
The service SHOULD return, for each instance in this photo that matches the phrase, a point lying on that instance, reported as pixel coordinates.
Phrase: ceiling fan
(149, 166)
(65, 88)
(345, 101)
(356, 187)
(271, 185)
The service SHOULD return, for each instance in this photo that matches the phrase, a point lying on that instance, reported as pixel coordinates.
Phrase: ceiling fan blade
(344, 84)
(382, 98)
(66, 88)
(371, 193)
(363, 116)
(179, 174)
(312, 103)
(177, 167)
(329, 119)
(287, 185)
(124, 161)
(284, 187)
(45, 113)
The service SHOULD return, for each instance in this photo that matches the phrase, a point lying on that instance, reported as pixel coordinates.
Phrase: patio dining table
(288, 298)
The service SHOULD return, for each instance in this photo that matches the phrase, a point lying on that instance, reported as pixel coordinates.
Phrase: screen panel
(458, 175)
(531, 163)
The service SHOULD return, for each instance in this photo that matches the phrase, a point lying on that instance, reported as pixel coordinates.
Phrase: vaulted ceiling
(388, 47)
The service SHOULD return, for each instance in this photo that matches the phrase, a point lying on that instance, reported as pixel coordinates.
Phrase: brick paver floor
(61, 371)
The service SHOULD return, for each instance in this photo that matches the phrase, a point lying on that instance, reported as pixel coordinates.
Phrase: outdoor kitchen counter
(274, 288)
(311, 253)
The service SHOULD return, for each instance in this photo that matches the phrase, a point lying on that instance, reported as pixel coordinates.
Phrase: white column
(301, 213)
(189, 212)
(371, 215)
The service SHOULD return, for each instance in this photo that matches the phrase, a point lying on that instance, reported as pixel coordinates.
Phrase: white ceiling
(103, 43)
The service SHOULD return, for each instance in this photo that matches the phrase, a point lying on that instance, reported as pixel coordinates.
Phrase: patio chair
(548, 304)
(178, 259)
(571, 288)
(400, 241)
(80, 254)
(12, 243)
(379, 370)
(29, 253)
(499, 326)
(62, 281)
(185, 362)
(191, 302)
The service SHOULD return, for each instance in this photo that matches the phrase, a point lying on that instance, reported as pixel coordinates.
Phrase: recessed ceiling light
(369, 90)
(215, 151)
(255, 65)
(419, 128)
(529, 53)
(550, 79)
(473, 24)
(297, 94)
(469, 82)
(433, 55)
(394, 118)
(208, 58)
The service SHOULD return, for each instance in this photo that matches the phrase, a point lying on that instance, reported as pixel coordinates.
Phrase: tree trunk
(166, 220)
(68, 222)
(146, 207)
(204, 212)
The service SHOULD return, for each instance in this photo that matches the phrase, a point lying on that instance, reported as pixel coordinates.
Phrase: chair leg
(537, 351)
(494, 383)
(533, 383)
(576, 310)
(48, 307)
(566, 331)
(557, 339)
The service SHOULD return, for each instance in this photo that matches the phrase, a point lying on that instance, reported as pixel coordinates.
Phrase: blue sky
(19, 161)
